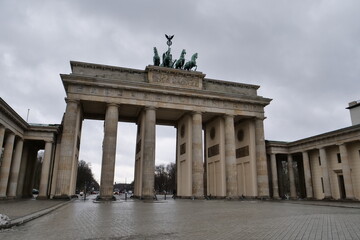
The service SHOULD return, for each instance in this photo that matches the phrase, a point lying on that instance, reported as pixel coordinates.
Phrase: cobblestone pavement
(187, 219)
(19, 208)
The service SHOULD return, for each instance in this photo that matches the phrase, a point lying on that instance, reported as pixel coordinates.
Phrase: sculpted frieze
(175, 78)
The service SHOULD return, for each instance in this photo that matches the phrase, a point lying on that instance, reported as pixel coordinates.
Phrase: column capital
(228, 116)
(150, 108)
(9, 132)
(69, 100)
(341, 144)
(18, 137)
(112, 104)
(196, 112)
(261, 118)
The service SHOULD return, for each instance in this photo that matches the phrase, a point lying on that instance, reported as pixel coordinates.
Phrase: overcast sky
(304, 54)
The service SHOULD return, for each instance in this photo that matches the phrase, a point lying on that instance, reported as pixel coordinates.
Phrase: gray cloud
(304, 54)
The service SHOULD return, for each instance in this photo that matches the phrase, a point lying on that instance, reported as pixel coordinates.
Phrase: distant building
(20, 143)
(354, 108)
(323, 166)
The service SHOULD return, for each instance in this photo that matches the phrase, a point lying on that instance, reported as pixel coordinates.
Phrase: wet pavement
(198, 219)
(20, 208)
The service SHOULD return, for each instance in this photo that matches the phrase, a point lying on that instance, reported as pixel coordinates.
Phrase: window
(339, 158)
(322, 184)
(319, 161)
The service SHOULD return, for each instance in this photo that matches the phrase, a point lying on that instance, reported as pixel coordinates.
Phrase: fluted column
(149, 156)
(45, 170)
(261, 161)
(230, 158)
(2, 135)
(15, 168)
(6, 164)
(274, 176)
(325, 172)
(197, 156)
(346, 171)
(67, 149)
(307, 175)
(109, 152)
(291, 177)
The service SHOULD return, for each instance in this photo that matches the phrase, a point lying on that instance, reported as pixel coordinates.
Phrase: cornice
(232, 84)
(321, 140)
(9, 112)
(103, 67)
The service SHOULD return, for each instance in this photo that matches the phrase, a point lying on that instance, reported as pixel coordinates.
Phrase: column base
(42, 198)
(230, 198)
(192, 197)
(328, 198)
(105, 198)
(62, 197)
(151, 197)
(11, 197)
(263, 197)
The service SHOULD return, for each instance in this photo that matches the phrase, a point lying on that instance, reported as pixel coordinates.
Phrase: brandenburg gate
(220, 148)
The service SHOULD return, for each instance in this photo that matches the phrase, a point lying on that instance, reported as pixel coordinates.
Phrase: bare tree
(165, 178)
(85, 179)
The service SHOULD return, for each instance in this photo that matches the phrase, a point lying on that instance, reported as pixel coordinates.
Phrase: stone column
(291, 177)
(274, 176)
(149, 154)
(22, 171)
(2, 135)
(346, 171)
(67, 149)
(6, 164)
(325, 173)
(261, 160)
(45, 170)
(55, 168)
(230, 158)
(253, 160)
(307, 175)
(15, 168)
(109, 152)
(197, 156)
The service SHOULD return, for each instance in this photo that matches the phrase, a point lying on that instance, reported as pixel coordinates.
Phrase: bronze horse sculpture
(192, 63)
(180, 63)
(156, 57)
(167, 59)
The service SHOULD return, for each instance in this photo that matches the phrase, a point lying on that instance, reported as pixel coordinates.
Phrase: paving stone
(187, 219)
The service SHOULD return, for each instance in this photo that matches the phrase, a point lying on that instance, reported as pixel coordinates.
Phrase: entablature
(340, 136)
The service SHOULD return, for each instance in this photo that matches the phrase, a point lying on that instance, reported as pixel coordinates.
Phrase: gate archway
(231, 115)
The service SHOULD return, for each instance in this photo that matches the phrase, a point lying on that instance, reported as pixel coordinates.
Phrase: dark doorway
(341, 186)
(299, 176)
(283, 175)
